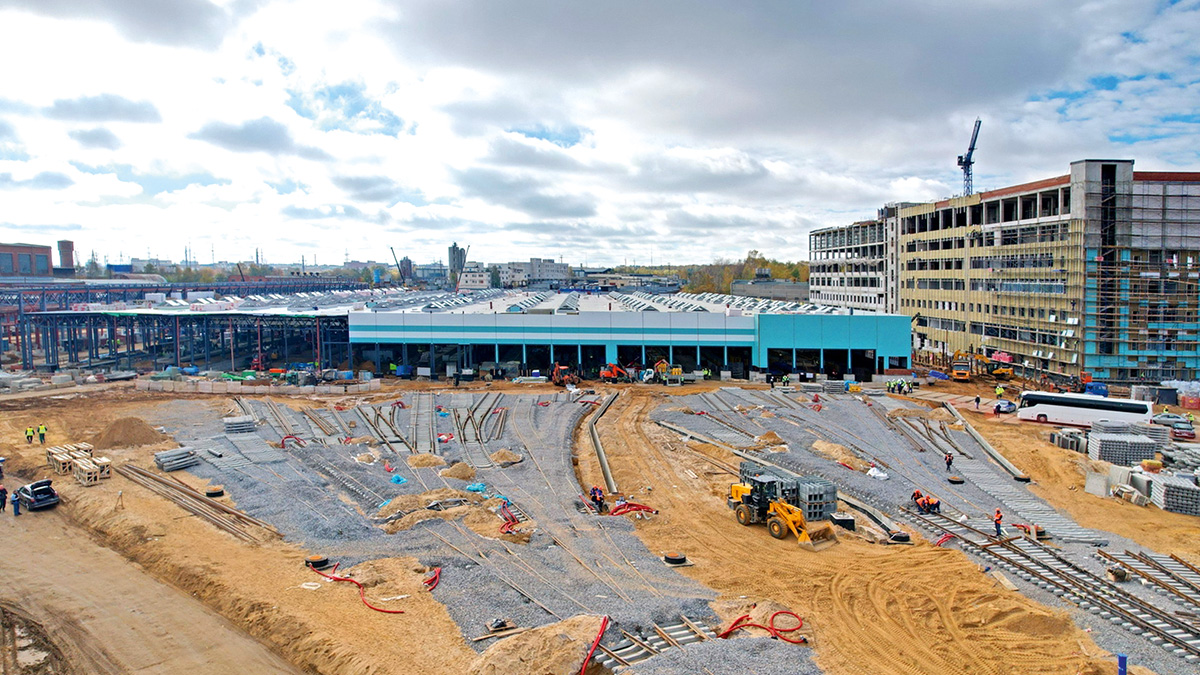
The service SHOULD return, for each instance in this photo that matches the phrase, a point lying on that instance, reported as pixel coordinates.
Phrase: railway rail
(632, 649)
(1049, 570)
(471, 438)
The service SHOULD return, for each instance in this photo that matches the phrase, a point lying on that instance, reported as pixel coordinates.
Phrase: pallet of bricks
(1175, 493)
(818, 497)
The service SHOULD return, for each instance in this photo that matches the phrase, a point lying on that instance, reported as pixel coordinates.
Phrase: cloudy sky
(599, 132)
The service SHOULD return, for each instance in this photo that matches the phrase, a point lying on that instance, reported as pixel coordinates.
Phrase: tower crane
(968, 160)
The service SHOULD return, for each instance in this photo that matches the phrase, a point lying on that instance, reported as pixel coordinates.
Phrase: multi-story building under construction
(855, 265)
(1095, 271)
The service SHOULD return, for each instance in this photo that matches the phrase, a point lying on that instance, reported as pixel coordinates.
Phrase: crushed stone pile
(505, 456)
(459, 470)
(425, 459)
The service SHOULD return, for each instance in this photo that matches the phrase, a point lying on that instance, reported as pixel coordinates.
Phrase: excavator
(613, 373)
(961, 367)
(561, 376)
(765, 497)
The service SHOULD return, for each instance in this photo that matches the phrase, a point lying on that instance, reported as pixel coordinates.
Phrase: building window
(43, 264)
(6, 263)
(24, 263)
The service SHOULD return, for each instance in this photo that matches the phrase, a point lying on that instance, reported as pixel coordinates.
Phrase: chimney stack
(66, 254)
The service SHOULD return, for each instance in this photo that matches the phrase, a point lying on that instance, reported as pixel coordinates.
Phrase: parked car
(1167, 419)
(37, 495)
(1183, 431)
(1006, 407)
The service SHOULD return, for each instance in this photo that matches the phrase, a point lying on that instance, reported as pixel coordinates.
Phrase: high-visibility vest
(29, 431)
(41, 428)
(999, 517)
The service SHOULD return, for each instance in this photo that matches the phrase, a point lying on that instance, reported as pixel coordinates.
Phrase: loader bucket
(818, 537)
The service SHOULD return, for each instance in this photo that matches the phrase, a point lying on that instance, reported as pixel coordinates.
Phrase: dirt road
(871, 609)
(109, 616)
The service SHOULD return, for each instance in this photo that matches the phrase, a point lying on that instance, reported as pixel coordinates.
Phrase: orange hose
(770, 627)
(362, 592)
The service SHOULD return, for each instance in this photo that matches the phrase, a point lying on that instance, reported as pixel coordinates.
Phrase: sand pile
(459, 470)
(365, 458)
(505, 456)
(840, 453)
(550, 650)
(425, 459)
(760, 612)
(364, 440)
(422, 500)
(940, 414)
(485, 521)
(406, 522)
(769, 438)
(126, 432)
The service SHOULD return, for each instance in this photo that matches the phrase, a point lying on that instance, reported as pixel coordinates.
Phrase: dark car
(1183, 431)
(37, 495)
(1006, 407)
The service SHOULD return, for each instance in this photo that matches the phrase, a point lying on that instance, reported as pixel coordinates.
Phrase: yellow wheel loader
(767, 498)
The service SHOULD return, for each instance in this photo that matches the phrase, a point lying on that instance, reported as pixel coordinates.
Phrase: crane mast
(968, 160)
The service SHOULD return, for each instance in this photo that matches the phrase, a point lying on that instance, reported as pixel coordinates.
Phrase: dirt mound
(425, 459)
(940, 414)
(422, 500)
(364, 440)
(506, 456)
(548, 650)
(459, 470)
(126, 432)
(769, 438)
(839, 453)
(760, 612)
(484, 521)
(365, 458)
(415, 517)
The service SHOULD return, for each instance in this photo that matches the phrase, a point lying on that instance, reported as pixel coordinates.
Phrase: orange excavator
(613, 373)
(562, 376)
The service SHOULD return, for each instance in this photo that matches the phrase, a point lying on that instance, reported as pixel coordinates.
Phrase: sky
(597, 133)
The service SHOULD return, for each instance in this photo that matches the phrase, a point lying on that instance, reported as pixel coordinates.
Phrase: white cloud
(600, 132)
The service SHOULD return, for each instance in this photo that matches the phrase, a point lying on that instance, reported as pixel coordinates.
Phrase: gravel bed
(760, 655)
(320, 497)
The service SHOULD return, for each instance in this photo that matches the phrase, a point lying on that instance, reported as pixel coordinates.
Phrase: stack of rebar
(225, 518)
(239, 425)
(174, 460)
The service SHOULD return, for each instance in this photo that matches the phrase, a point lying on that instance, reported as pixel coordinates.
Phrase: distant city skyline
(599, 134)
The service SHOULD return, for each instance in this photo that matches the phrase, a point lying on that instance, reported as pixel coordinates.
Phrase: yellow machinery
(754, 501)
(960, 369)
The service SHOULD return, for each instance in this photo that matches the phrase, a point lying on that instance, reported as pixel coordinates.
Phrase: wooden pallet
(62, 463)
(104, 464)
(86, 472)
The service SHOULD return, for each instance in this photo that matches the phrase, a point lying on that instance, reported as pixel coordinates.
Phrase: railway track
(1169, 575)
(423, 430)
(471, 438)
(1050, 571)
(632, 649)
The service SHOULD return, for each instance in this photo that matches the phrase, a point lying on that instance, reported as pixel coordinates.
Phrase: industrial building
(856, 266)
(25, 260)
(1094, 271)
(771, 289)
(445, 332)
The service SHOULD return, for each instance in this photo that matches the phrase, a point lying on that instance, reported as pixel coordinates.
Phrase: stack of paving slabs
(174, 460)
(1111, 427)
(818, 497)
(1175, 493)
(833, 387)
(240, 425)
(1122, 449)
(1185, 457)
(1159, 433)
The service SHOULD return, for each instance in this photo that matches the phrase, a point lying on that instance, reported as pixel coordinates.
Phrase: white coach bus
(1080, 409)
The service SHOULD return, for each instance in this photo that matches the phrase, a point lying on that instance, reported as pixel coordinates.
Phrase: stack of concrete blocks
(1070, 439)
(1123, 449)
(1175, 493)
(833, 387)
(818, 497)
(240, 425)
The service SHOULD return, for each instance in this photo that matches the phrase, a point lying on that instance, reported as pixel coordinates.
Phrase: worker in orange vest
(923, 504)
(997, 519)
(933, 504)
(916, 496)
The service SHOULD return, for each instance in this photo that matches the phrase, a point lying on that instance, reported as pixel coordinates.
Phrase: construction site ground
(193, 592)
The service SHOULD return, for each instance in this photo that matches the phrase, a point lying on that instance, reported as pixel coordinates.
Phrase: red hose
(595, 644)
(770, 628)
(432, 582)
(630, 507)
(362, 592)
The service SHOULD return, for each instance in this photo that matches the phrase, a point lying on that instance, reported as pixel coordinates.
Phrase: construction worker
(785, 379)
(933, 504)
(597, 496)
(922, 504)
(42, 433)
(997, 519)
(999, 391)
(977, 400)
(1191, 418)
(16, 502)
(916, 496)
(949, 460)
(29, 435)
(3, 497)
